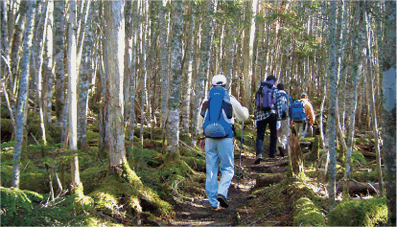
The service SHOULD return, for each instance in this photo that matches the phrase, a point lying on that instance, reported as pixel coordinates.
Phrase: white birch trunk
(40, 81)
(188, 74)
(332, 103)
(115, 35)
(352, 114)
(72, 94)
(205, 58)
(143, 31)
(163, 62)
(373, 112)
(50, 69)
(23, 93)
(175, 78)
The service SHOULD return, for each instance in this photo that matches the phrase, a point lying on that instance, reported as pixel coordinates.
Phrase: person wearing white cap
(215, 122)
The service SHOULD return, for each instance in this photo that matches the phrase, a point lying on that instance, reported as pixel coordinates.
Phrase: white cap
(219, 80)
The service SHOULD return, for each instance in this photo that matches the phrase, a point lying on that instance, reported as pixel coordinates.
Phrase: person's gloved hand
(278, 125)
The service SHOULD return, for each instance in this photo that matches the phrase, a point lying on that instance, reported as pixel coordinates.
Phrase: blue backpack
(298, 111)
(265, 98)
(217, 113)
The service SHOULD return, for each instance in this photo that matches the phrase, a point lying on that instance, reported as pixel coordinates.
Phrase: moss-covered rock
(359, 213)
(306, 213)
(127, 197)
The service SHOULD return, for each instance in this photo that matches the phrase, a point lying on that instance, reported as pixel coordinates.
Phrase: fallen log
(360, 188)
(266, 179)
(368, 153)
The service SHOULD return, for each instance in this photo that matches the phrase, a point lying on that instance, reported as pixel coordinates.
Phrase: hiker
(267, 112)
(302, 116)
(217, 113)
(283, 131)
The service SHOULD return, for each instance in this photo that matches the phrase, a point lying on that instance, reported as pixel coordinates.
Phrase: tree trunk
(389, 108)
(143, 32)
(115, 35)
(23, 93)
(163, 63)
(175, 78)
(49, 69)
(205, 58)
(40, 81)
(132, 64)
(72, 98)
(372, 94)
(188, 73)
(332, 102)
(352, 114)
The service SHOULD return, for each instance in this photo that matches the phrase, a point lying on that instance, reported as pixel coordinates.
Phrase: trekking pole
(241, 149)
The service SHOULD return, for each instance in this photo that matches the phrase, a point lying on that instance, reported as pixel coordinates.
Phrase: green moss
(15, 201)
(306, 213)
(143, 157)
(92, 137)
(198, 164)
(359, 213)
(35, 182)
(358, 159)
(6, 146)
(365, 176)
(115, 190)
(92, 177)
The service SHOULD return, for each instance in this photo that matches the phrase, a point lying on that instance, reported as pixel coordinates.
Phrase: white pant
(283, 134)
(218, 150)
(301, 129)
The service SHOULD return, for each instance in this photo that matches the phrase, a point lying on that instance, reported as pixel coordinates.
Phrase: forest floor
(199, 213)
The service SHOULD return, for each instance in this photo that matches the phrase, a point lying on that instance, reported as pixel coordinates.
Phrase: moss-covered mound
(29, 208)
(359, 213)
(307, 213)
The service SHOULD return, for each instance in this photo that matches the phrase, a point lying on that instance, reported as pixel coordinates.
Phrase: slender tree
(188, 71)
(206, 43)
(23, 93)
(389, 107)
(332, 102)
(77, 186)
(175, 78)
(40, 81)
(352, 115)
(163, 63)
(372, 98)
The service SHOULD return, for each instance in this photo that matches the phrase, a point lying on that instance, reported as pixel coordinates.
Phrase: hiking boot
(215, 208)
(258, 159)
(281, 150)
(222, 201)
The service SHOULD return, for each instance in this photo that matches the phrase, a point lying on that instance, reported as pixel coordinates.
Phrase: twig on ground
(191, 148)
(253, 223)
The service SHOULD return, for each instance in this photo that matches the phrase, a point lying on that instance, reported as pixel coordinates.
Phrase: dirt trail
(199, 213)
